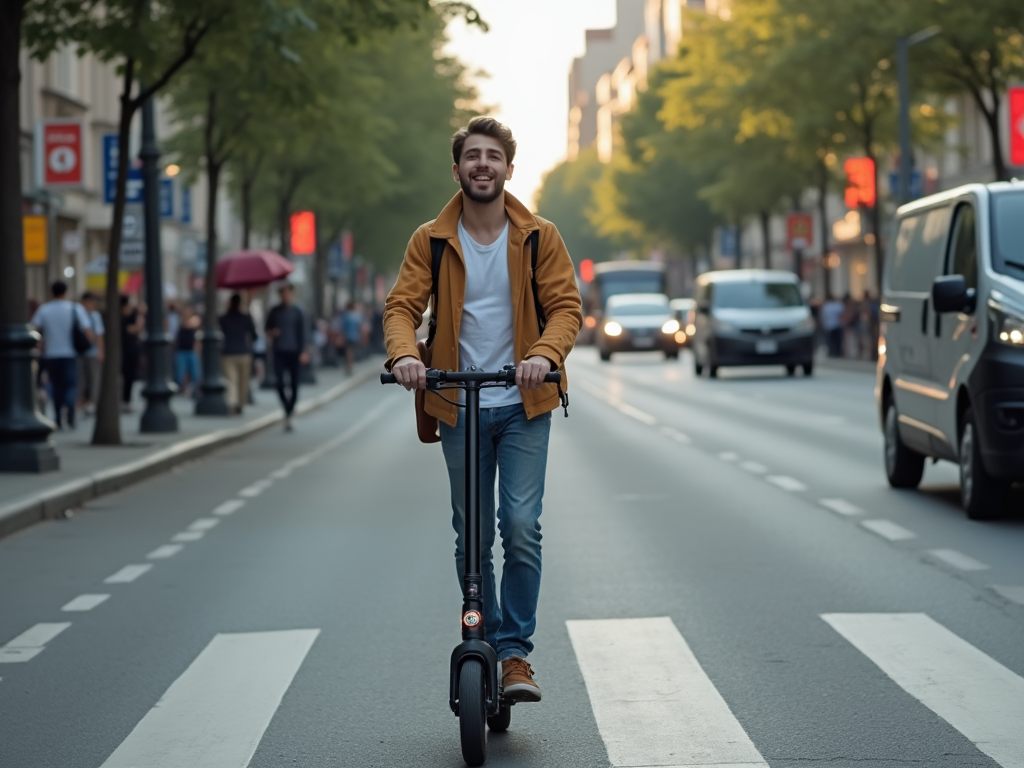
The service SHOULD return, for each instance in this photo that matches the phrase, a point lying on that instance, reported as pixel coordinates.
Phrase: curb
(846, 364)
(50, 504)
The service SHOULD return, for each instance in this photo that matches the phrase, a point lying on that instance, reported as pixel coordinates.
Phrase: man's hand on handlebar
(531, 372)
(410, 372)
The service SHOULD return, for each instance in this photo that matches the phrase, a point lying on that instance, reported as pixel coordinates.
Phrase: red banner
(61, 150)
(860, 182)
(303, 233)
(1016, 103)
(799, 231)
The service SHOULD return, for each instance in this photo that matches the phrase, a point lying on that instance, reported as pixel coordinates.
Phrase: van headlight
(611, 328)
(1009, 329)
(670, 326)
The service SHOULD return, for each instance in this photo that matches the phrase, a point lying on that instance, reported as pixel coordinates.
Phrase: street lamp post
(157, 416)
(903, 46)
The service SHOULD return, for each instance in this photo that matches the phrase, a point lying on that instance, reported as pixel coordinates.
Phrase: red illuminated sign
(1016, 103)
(587, 270)
(860, 182)
(799, 231)
(303, 233)
(59, 148)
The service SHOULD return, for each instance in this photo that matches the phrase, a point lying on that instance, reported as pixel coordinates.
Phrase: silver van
(951, 348)
(752, 317)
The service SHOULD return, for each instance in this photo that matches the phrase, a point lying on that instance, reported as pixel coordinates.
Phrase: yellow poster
(33, 228)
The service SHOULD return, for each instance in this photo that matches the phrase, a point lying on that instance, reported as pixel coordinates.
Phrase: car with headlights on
(752, 317)
(685, 311)
(639, 322)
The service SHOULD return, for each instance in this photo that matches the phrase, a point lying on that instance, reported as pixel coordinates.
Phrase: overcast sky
(527, 54)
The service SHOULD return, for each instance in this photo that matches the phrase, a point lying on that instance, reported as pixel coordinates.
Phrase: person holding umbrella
(239, 334)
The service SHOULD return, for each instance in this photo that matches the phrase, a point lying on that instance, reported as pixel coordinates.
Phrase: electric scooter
(475, 693)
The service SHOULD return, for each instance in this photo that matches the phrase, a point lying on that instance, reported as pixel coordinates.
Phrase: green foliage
(567, 197)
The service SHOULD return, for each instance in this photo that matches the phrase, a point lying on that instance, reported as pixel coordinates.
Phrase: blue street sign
(916, 187)
(335, 262)
(166, 198)
(729, 241)
(133, 188)
(186, 205)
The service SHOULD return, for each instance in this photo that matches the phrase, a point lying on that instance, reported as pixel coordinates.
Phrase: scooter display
(475, 693)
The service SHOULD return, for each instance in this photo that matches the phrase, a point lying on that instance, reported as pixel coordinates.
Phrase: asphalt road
(727, 581)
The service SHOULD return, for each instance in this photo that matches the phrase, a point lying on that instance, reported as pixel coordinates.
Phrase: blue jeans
(63, 375)
(516, 450)
(186, 361)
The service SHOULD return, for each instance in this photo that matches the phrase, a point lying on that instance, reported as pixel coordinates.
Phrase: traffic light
(860, 182)
(303, 233)
(587, 270)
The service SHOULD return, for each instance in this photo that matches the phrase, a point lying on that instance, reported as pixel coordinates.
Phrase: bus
(612, 278)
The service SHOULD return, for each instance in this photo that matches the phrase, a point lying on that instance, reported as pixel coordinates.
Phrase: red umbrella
(251, 269)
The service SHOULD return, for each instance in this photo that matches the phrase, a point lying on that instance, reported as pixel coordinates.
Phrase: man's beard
(467, 189)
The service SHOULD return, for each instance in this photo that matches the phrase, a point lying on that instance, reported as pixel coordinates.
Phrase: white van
(951, 348)
(751, 317)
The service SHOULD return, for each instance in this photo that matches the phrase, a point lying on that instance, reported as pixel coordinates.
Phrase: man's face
(89, 304)
(286, 296)
(482, 170)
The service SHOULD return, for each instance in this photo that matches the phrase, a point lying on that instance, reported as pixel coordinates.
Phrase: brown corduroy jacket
(556, 288)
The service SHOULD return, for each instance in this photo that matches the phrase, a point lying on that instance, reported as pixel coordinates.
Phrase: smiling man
(492, 311)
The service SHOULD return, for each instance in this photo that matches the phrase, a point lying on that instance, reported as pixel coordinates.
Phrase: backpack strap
(437, 246)
(534, 239)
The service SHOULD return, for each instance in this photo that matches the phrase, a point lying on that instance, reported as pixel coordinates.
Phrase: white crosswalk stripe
(965, 687)
(214, 715)
(652, 701)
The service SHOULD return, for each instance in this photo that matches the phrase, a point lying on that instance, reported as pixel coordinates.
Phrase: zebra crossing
(653, 703)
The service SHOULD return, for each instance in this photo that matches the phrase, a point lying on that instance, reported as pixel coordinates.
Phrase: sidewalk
(87, 471)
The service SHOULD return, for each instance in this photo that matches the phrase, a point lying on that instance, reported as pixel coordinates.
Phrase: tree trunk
(999, 168)
(823, 217)
(766, 238)
(107, 430)
(13, 301)
(213, 164)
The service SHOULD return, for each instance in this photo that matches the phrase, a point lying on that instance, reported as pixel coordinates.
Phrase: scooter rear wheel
(500, 722)
(473, 712)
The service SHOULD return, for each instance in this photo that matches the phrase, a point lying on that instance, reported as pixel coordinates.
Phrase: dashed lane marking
(753, 467)
(31, 642)
(186, 536)
(167, 550)
(255, 489)
(85, 602)
(204, 524)
(958, 560)
(728, 456)
(888, 530)
(215, 714)
(653, 703)
(787, 483)
(840, 506)
(1014, 594)
(128, 574)
(280, 474)
(229, 507)
(968, 689)
(675, 434)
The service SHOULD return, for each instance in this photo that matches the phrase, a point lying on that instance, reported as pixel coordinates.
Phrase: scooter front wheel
(473, 712)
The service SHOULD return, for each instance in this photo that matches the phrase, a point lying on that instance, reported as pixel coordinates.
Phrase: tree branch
(194, 33)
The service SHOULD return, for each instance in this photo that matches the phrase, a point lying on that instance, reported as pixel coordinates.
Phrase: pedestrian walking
(353, 324)
(186, 356)
(286, 325)
(239, 334)
(66, 330)
(132, 320)
(90, 364)
(488, 239)
(832, 325)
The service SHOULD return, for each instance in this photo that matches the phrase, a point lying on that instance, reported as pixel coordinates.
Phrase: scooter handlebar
(555, 377)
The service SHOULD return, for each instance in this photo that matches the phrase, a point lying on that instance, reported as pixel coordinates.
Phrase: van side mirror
(951, 294)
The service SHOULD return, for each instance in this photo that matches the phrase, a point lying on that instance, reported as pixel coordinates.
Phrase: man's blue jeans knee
(515, 449)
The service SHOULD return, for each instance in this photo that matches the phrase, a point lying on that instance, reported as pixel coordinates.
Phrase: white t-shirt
(486, 337)
(53, 319)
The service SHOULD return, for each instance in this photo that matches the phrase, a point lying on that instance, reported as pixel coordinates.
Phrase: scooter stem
(472, 589)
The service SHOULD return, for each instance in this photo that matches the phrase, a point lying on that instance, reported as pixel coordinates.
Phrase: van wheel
(605, 356)
(713, 371)
(981, 494)
(698, 366)
(903, 467)
(808, 369)
(791, 370)
(672, 355)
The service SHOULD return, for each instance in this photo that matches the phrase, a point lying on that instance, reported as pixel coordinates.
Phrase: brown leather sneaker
(517, 680)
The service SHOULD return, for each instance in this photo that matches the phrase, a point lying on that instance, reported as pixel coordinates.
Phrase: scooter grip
(555, 377)
(388, 378)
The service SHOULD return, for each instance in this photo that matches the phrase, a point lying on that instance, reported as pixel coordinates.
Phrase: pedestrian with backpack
(67, 333)
(502, 290)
